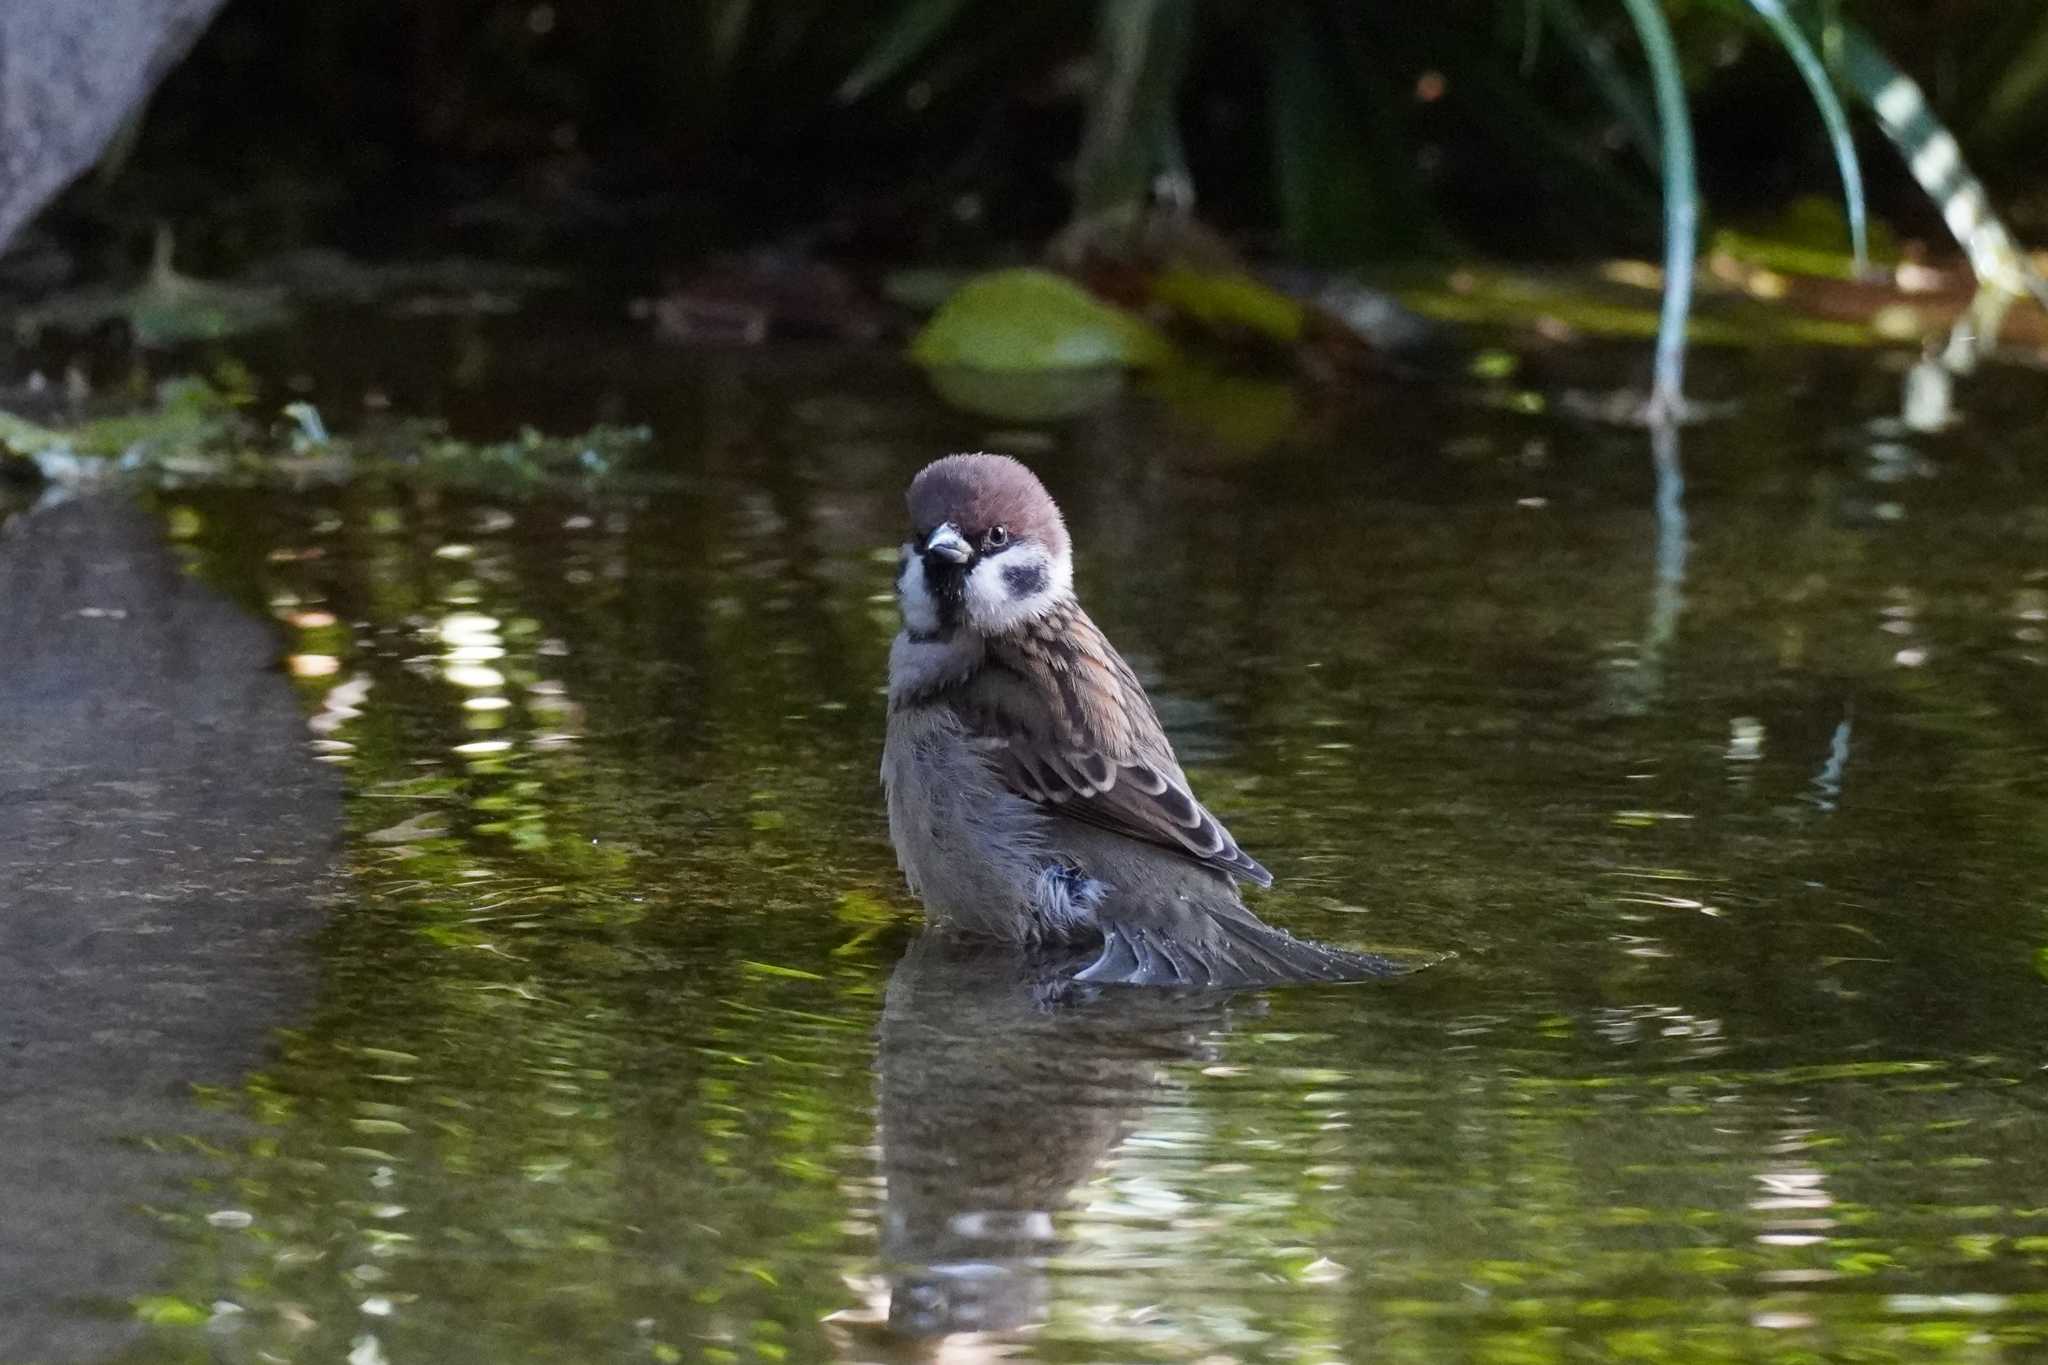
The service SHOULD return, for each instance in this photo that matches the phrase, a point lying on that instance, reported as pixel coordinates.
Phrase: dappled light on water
(1719, 769)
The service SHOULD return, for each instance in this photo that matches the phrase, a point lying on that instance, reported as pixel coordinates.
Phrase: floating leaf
(1027, 397)
(1034, 320)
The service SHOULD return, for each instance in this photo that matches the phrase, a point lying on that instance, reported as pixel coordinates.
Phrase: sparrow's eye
(996, 539)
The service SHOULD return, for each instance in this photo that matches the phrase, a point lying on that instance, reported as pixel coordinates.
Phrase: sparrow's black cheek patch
(1024, 580)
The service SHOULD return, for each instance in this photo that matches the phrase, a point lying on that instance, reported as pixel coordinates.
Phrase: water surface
(1735, 818)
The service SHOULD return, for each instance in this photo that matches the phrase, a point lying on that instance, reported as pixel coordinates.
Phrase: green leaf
(1130, 137)
(1344, 179)
(1596, 58)
(1933, 156)
(1815, 75)
(918, 24)
(1218, 300)
(725, 23)
(1033, 320)
(2020, 86)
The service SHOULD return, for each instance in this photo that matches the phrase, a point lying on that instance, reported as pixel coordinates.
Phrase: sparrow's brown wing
(1074, 731)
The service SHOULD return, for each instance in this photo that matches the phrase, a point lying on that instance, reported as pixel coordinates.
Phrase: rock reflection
(1003, 1088)
(168, 845)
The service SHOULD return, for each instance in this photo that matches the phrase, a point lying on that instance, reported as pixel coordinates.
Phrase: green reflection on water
(1740, 1058)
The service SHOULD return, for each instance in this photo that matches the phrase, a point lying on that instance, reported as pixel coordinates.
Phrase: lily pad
(1034, 320)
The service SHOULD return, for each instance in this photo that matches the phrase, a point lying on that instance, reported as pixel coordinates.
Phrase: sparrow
(1032, 794)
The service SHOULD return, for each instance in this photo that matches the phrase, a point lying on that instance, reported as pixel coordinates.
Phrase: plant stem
(1681, 207)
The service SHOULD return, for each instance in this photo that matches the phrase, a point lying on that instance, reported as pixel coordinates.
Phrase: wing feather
(1072, 729)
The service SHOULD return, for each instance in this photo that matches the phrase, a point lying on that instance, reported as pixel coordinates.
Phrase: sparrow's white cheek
(1004, 591)
(914, 597)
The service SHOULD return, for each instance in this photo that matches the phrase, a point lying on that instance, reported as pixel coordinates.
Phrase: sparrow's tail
(1224, 951)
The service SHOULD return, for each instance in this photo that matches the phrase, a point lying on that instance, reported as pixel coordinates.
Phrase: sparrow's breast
(971, 850)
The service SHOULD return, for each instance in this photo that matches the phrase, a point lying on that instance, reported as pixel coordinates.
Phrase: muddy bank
(166, 843)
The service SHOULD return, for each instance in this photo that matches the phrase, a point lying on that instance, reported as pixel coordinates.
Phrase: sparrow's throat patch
(929, 591)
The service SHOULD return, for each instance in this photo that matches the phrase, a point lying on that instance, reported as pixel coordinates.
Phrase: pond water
(1733, 814)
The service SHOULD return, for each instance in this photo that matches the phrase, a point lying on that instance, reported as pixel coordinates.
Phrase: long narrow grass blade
(1344, 171)
(917, 26)
(1532, 35)
(1130, 136)
(1595, 55)
(1936, 160)
(2020, 85)
(725, 23)
(1789, 36)
(1681, 206)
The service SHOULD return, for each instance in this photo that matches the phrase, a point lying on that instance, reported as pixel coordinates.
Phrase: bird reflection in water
(1004, 1085)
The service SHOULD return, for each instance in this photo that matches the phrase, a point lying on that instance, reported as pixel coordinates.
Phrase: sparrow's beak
(948, 544)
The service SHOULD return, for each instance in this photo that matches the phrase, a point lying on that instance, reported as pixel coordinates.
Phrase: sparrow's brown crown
(980, 491)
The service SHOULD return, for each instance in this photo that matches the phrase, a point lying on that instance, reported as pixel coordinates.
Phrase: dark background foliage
(625, 131)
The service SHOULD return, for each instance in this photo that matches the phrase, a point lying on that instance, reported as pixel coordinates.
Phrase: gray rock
(71, 72)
